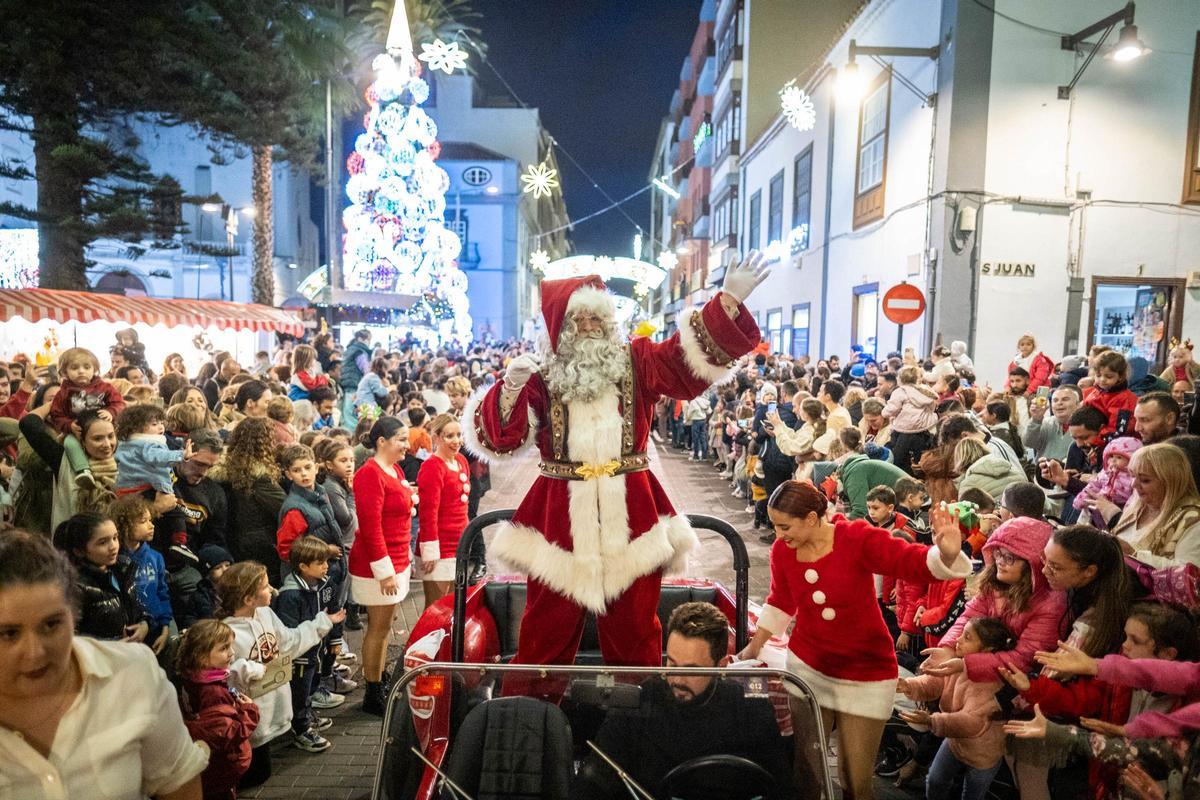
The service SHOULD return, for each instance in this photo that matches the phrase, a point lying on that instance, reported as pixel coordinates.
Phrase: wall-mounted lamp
(1128, 46)
(851, 82)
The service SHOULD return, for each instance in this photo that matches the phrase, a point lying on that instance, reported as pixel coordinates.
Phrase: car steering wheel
(718, 777)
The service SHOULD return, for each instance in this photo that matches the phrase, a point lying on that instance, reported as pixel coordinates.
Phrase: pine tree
(396, 236)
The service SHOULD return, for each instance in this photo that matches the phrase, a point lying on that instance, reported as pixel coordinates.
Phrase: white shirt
(123, 737)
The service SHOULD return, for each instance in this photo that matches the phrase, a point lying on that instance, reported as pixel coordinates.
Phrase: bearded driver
(596, 531)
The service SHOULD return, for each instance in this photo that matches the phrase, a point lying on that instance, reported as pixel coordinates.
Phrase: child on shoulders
(82, 390)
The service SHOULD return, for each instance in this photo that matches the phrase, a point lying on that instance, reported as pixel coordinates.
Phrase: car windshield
(475, 731)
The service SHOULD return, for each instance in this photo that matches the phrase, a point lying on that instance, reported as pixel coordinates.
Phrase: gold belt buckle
(591, 471)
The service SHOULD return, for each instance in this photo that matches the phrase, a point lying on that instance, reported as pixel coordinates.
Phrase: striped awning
(64, 306)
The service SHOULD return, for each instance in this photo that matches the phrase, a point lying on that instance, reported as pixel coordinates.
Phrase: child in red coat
(220, 717)
(82, 390)
(1111, 396)
(902, 595)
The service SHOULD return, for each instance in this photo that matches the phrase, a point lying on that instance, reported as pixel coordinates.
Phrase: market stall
(38, 320)
(392, 318)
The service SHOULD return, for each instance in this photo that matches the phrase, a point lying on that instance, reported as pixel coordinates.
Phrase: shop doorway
(1136, 317)
(864, 318)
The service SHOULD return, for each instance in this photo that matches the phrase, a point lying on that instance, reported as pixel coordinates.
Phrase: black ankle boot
(374, 699)
(353, 619)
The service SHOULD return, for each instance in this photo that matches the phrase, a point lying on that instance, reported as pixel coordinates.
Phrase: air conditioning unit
(1193, 279)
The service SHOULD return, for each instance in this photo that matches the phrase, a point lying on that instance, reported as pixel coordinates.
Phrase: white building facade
(202, 265)
(964, 174)
(504, 225)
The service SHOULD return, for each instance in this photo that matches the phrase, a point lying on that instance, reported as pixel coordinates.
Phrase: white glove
(519, 370)
(741, 279)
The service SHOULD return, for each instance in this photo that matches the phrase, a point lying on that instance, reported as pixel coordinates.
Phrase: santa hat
(568, 295)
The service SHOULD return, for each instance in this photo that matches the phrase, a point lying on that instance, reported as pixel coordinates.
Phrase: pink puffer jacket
(1038, 626)
(911, 410)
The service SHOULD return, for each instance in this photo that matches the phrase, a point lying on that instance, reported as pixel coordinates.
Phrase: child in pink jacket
(973, 747)
(911, 410)
(1012, 588)
(1114, 482)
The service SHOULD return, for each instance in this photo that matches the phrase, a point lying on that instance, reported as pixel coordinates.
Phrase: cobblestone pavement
(346, 770)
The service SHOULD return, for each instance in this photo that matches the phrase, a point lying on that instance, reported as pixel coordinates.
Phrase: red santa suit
(446, 492)
(596, 531)
(840, 645)
(385, 505)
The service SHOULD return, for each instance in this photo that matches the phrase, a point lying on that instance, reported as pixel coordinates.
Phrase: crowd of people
(239, 520)
(236, 522)
(1073, 486)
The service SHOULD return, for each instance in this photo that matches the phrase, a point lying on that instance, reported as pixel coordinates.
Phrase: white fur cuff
(472, 441)
(775, 620)
(694, 355)
(430, 552)
(383, 568)
(961, 568)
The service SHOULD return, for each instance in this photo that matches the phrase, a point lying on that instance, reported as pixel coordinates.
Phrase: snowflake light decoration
(539, 260)
(446, 57)
(798, 107)
(540, 180)
(667, 260)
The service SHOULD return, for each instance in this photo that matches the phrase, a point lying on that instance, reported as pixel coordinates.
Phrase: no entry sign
(903, 303)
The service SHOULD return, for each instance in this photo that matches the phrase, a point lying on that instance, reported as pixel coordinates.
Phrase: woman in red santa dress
(380, 563)
(596, 531)
(444, 484)
(822, 575)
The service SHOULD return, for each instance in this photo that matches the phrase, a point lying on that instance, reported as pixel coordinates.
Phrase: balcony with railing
(708, 77)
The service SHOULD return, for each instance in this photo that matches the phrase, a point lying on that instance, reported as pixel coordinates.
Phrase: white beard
(584, 369)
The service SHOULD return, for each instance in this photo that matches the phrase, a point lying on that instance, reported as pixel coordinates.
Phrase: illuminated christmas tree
(396, 234)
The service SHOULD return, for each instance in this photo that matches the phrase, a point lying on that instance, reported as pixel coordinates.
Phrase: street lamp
(230, 215)
(1128, 46)
(851, 82)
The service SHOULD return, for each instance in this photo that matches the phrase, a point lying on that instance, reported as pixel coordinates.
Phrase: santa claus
(596, 531)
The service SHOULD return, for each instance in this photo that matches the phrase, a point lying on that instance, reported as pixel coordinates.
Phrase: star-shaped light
(540, 180)
(539, 260)
(446, 57)
(667, 260)
(798, 107)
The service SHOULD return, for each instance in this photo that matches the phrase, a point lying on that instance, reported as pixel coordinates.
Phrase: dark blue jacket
(297, 602)
(150, 583)
(322, 523)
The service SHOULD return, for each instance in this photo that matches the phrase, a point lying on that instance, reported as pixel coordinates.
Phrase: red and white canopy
(64, 306)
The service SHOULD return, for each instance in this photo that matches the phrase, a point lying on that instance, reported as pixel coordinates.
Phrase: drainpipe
(828, 217)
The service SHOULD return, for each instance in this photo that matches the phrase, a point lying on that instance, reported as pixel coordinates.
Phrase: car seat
(512, 748)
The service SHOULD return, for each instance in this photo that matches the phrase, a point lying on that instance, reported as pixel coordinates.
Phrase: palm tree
(317, 40)
(429, 19)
